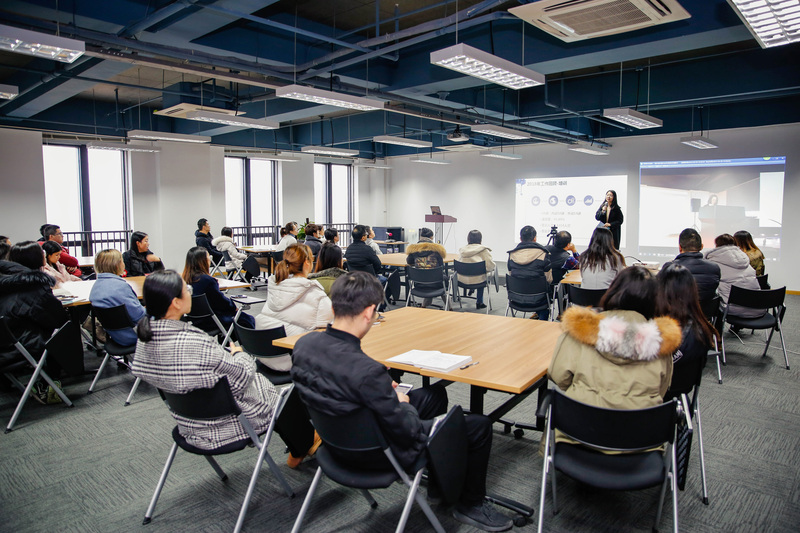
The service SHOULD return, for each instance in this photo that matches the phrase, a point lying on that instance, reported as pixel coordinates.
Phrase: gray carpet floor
(93, 468)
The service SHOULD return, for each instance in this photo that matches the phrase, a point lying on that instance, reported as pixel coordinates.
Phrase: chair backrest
(425, 275)
(251, 266)
(277, 257)
(530, 291)
(258, 342)
(711, 308)
(200, 307)
(226, 256)
(470, 269)
(113, 318)
(66, 348)
(763, 281)
(356, 432)
(757, 299)
(614, 429)
(584, 297)
(204, 404)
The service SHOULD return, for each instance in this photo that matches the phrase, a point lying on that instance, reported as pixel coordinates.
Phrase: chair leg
(769, 340)
(99, 371)
(277, 473)
(722, 342)
(299, 521)
(662, 493)
(674, 477)
(702, 451)
(545, 467)
(370, 500)
(148, 515)
(133, 391)
(218, 469)
(783, 345)
(26, 393)
(263, 456)
(719, 369)
(437, 526)
(412, 495)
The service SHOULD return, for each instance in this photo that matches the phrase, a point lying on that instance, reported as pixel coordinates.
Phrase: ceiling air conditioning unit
(576, 20)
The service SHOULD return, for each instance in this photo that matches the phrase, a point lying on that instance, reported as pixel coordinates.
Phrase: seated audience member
(110, 290)
(426, 253)
(179, 358)
(735, 269)
(313, 240)
(53, 233)
(224, 243)
(332, 235)
(29, 307)
(293, 301)
(5, 247)
(360, 256)
(563, 255)
(602, 262)
(370, 242)
(596, 360)
(288, 236)
(333, 375)
(530, 260)
(475, 252)
(678, 298)
(706, 274)
(8, 267)
(42, 229)
(203, 238)
(745, 242)
(139, 260)
(196, 274)
(52, 267)
(5, 240)
(329, 266)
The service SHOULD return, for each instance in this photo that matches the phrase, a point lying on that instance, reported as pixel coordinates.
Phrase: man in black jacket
(203, 237)
(706, 273)
(360, 256)
(333, 375)
(530, 260)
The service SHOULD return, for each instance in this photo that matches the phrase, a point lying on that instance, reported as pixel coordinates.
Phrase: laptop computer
(435, 210)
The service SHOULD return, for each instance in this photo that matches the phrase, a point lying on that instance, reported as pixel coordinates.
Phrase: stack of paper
(432, 360)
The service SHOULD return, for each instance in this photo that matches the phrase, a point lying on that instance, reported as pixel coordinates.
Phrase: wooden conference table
(513, 353)
(82, 289)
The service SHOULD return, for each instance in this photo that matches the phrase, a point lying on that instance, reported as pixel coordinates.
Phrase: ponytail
(160, 288)
(143, 330)
(294, 258)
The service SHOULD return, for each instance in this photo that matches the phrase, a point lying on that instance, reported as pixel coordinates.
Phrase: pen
(469, 365)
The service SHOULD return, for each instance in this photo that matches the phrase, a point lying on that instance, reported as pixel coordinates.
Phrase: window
(251, 192)
(337, 182)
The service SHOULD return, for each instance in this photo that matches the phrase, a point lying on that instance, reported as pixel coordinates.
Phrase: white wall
(479, 191)
(297, 185)
(22, 208)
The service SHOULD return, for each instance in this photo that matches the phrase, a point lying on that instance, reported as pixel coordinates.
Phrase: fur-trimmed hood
(221, 238)
(425, 246)
(623, 336)
(333, 272)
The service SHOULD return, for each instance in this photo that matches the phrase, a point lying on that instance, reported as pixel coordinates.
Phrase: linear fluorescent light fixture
(701, 143)
(402, 141)
(772, 23)
(318, 96)
(479, 64)
(374, 165)
(231, 120)
(329, 150)
(122, 147)
(37, 44)
(588, 148)
(146, 135)
(430, 161)
(500, 131)
(499, 155)
(633, 118)
(277, 157)
(7, 92)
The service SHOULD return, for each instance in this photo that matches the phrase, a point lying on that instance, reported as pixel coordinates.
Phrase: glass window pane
(340, 194)
(234, 191)
(106, 181)
(261, 178)
(321, 215)
(62, 186)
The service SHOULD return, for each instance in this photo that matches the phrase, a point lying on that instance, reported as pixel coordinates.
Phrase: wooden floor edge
(792, 292)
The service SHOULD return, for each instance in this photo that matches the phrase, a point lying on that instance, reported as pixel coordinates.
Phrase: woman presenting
(610, 216)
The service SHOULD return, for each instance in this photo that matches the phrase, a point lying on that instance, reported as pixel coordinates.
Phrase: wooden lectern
(438, 220)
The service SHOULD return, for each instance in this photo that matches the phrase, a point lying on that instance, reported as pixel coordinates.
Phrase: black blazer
(615, 218)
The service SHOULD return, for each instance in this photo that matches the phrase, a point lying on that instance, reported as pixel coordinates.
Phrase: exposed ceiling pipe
(590, 116)
(47, 78)
(156, 17)
(398, 17)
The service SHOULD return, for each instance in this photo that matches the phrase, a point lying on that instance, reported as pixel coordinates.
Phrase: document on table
(432, 360)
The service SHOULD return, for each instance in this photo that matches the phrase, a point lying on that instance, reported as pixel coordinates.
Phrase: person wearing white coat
(735, 269)
(293, 301)
(224, 243)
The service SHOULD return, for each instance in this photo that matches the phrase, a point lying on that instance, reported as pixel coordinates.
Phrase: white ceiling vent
(576, 20)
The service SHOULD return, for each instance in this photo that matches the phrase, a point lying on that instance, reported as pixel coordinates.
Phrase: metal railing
(265, 235)
(88, 243)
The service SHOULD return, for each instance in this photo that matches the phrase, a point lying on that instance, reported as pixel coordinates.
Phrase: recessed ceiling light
(500, 131)
(318, 96)
(228, 120)
(499, 155)
(633, 118)
(329, 150)
(402, 141)
(479, 64)
(37, 44)
(164, 136)
(701, 143)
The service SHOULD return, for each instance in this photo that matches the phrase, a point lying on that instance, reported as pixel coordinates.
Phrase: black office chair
(58, 341)
(258, 343)
(201, 313)
(584, 297)
(470, 270)
(771, 300)
(113, 318)
(527, 295)
(358, 435)
(638, 433)
(427, 283)
(215, 403)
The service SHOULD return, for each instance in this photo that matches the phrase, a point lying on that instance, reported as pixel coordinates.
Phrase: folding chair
(771, 300)
(210, 404)
(763, 281)
(358, 435)
(258, 343)
(427, 283)
(236, 273)
(527, 295)
(202, 310)
(636, 432)
(584, 297)
(57, 341)
(216, 267)
(113, 318)
(470, 270)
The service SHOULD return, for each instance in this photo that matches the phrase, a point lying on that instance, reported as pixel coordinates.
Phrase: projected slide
(713, 196)
(569, 203)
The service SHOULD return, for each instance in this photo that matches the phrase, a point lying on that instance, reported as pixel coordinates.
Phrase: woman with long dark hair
(52, 267)
(177, 357)
(745, 243)
(196, 274)
(601, 263)
(610, 216)
(329, 266)
(139, 260)
(678, 298)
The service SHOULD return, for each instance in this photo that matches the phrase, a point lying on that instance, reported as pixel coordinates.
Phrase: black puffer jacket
(705, 272)
(31, 310)
(334, 376)
(204, 240)
(361, 257)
